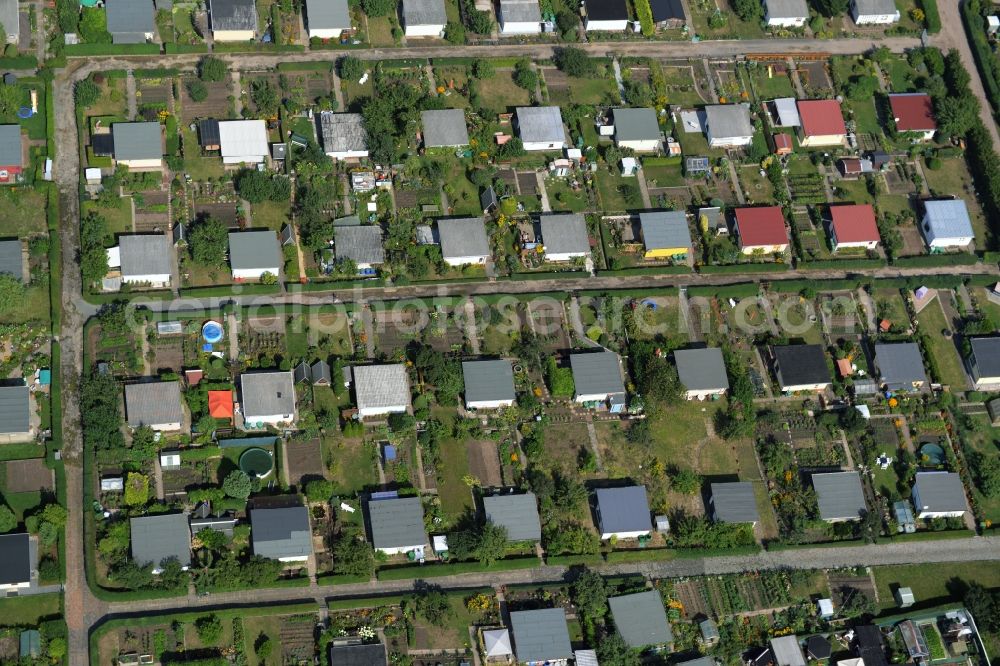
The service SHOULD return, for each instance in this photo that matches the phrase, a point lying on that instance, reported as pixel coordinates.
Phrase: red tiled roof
(850, 165)
(844, 367)
(761, 226)
(854, 223)
(821, 117)
(220, 404)
(782, 142)
(913, 112)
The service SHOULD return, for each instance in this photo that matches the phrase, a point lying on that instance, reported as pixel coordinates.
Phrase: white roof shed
(243, 141)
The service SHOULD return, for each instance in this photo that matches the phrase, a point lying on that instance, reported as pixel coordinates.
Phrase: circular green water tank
(256, 463)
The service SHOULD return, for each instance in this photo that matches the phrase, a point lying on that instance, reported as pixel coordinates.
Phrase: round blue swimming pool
(212, 332)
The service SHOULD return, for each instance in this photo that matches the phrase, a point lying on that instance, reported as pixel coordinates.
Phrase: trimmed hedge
(744, 268)
(551, 275)
(644, 555)
(178, 49)
(743, 290)
(574, 560)
(647, 270)
(340, 579)
(257, 47)
(935, 260)
(84, 50)
(310, 66)
(455, 568)
(934, 536)
(231, 290)
(793, 286)
(156, 73)
(932, 19)
(19, 62)
(841, 264)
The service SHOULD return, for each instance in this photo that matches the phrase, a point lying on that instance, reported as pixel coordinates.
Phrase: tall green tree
(209, 241)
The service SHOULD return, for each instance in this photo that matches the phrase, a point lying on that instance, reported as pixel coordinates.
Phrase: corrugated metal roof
(250, 250)
(517, 513)
(641, 619)
(9, 19)
(787, 651)
(15, 559)
(243, 138)
(786, 9)
(360, 244)
(939, 492)
(12, 258)
(130, 19)
(839, 495)
(734, 502)
(986, 355)
(541, 635)
(137, 141)
(635, 124)
(161, 537)
(372, 654)
(597, 373)
(487, 381)
(282, 532)
(520, 11)
(788, 112)
(463, 237)
(267, 394)
(948, 219)
(145, 254)
(342, 132)
(444, 128)
(540, 124)
(153, 403)
(424, 12)
(233, 14)
(900, 364)
(396, 522)
(801, 364)
(727, 121)
(381, 386)
(564, 233)
(11, 151)
(664, 229)
(701, 369)
(623, 509)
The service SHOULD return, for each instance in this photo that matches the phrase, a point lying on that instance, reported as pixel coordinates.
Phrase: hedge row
(310, 66)
(455, 568)
(550, 275)
(744, 268)
(793, 286)
(231, 290)
(841, 264)
(156, 73)
(254, 47)
(932, 19)
(83, 50)
(647, 270)
(742, 290)
(933, 260)
(340, 579)
(179, 49)
(19, 62)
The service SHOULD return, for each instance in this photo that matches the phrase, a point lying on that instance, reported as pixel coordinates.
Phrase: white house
(343, 135)
(233, 20)
(327, 19)
(606, 16)
(785, 13)
(488, 384)
(267, 398)
(254, 253)
(463, 241)
(946, 224)
(520, 17)
(702, 372)
(146, 259)
(139, 146)
(424, 18)
(243, 141)
(874, 12)
(381, 389)
(564, 236)
(939, 495)
(984, 362)
(728, 125)
(540, 127)
(623, 513)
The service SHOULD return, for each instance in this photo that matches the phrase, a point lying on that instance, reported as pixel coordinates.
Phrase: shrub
(87, 93)
(209, 628)
(933, 163)
(238, 485)
(197, 91)
(212, 69)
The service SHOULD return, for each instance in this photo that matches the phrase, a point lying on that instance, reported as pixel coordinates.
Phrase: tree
(212, 539)
(56, 648)
(55, 514)
(454, 33)
(10, 99)
(375, 8)
(492, 544)
(11, 293)
(560, 380)
(8, 521)
(197, 90)
(575, 62)
(590, 594)
(319, 490)
(238, 484)
(264, 97)
(613, 651)
(93, 26)
(750, 11)
(209, 628)
(87, 93)
(483, 69)
(956, 115)
(656, 378)
(573, 539)
(48, 534)
(93, 256)
(351, 68)
(640, 432)
(352, 556)
(263, 646)
(831, 8)
(258, 186)
(525, 75)
(479, 22)
(212, 69)
(984, 606)
(861, 88)
(68, 15)
(432, 603)
(209, 242)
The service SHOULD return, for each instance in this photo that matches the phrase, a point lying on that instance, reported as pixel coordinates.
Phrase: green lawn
(500, 92)
(28, 611)
(931, 321)
(889, 305)
(769, 85)
(34, 307)
(853, 191)
(22, 211)
(455, 494)
(983, 439)
(613, 188)
(352, 465)
(119, 219)
(270, 214)
(758, 187)
(953, 179)
(664, 176)
(866, 117)
(931, 583)
(563, 198)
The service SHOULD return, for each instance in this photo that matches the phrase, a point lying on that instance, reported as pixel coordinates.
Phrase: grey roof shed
(597, 373)
(641, 619)
(939, 492)
(541, 635)
(517, 513)
(635, 125)
(540, 124)
(664, 229)
(15, 559)
(839, 495)
(463, 237)
(10, 20)
(734, 502)
(153, 403)
(158, 538)
(281, 533)
(145, 254)
(137, 141)
(786, 9)
(520, 11)
(424, 12)
(361, 244)
(343, 132)
(396, 522)
(900, 365)
(564, 233)
(787, 651)
(623, 510)
(235, 15)
(267, 393)
(371, 654)
(129, 21)
(444, 128)
(12, 258)
(11, 146)
(14, 410)
(488, 381)
(327, 15)
(729, 120)
(702, 369)
(986, 355)
(252, 250)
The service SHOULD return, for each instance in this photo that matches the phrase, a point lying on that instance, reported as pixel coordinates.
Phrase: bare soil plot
(406, 198)
(527, 183)
(843, 585)
(484, 462)
(913, 242)
(9, 647)
(297, 642)
(444, 336)
(304, 461)
(814, 76)
(395, 330)
(223, 212)
(692, 595)
(509, 177)
(24, 476)
(216, 105)
(177, 481)
(152, 215)
(548, 322)
(168, 354)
